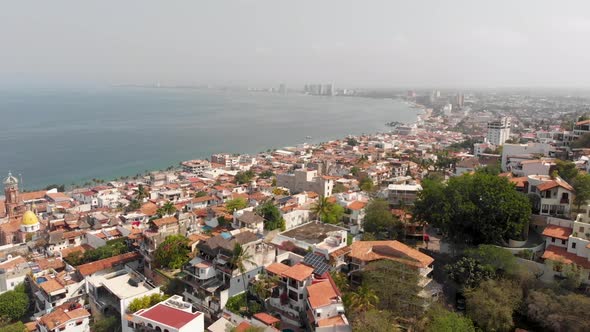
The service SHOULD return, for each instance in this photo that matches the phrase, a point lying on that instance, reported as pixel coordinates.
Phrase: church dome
(10, 180)
(29, 219)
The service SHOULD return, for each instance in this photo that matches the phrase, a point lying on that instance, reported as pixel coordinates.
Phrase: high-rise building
(499, 131)
(329, 89)
(459, 100)
(282, 88)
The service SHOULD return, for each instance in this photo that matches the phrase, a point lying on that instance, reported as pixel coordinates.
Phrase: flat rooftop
(120, 286)
(313, 232)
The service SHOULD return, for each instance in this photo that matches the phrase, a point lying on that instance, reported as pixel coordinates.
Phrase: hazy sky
(264, 42)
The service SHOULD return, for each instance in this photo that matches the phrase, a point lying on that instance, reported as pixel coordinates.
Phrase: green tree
(145, 302)
(396, 287)
(107, 324)
(497, 259)
(354, 171)
(492, 305)
(272, 217)
(16, 327)
(478, 208)
(241, 257)
(133, 205)
(581, 142)
(327, 211)
(469, 273)
(366, 184)
(263, 286)
(362, 299)
(374, 321)
(581, 184)
(14, 304)
(167, 209)
(558, 312)
(566, 169)
(200, 194)
(141, 193)
(235, 204)
(339, 188)
(442, 320)
(267, 174)
(173, 253)
(379, 220)
(244, 177)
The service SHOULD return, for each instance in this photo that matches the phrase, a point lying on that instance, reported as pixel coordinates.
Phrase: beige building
(306, 180)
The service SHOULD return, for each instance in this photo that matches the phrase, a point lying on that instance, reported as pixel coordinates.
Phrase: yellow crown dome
(29, 219)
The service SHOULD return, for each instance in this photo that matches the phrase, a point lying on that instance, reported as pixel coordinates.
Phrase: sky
(387, 43)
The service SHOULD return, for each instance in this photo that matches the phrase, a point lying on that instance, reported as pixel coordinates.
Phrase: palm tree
(240, 257)
(167, 209)
(141, 192)
(363, 299)
(321, 207)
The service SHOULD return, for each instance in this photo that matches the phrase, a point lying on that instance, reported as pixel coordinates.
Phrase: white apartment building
(513, 154)
(195, 166)
(306, 180)
(499, 131)
(65, 319)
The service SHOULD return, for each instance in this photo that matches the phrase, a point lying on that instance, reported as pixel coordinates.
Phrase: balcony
(564, 201)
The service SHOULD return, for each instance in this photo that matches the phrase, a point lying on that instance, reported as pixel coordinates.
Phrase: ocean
(69, 136)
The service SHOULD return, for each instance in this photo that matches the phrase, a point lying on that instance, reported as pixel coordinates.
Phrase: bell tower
(11, 195)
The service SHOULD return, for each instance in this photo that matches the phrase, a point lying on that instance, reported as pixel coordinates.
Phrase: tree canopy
(146, 302)
(558, 312)
(442, 320)
(374, 321)
(327, 211)
(173, 253)
(468, 272)
(566, 169)
(476, 209)
(112, 248)
(396, 287)
(492, 305)
(582, 142)
(581, 185)
(379, 220)
(244, 177)
(272, 217)
(235, 204)
(14, 304)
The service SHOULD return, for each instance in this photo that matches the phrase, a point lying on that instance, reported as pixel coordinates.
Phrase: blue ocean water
(67, 136)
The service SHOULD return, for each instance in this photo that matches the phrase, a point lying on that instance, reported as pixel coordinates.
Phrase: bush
(145, 302)
(14, 304)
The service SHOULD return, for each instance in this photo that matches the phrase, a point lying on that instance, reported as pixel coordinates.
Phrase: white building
(499, 131)
(306, 180)
(74, 319)
(512, 154)
(13, 272)
(171, 315)
(195, 166)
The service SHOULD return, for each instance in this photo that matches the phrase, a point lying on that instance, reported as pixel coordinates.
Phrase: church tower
(11, 195)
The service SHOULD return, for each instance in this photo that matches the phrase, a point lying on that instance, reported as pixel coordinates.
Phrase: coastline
(112, 134)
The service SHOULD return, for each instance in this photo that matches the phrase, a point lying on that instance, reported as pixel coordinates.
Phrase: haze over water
(66, 136)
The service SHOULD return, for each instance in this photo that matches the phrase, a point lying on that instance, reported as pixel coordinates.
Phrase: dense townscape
(475, 217)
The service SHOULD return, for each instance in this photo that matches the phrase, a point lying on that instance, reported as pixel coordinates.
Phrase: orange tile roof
(60, 316)
(165, 221)
(321, 294)
(298, 272)
(277, 268)
(555, 253)
(243, 327)
(332, 321)
(13, 263)
(368, 251)
(149, 209)
(558, 232)
(266, 318)
(93, 267)
(519, 182)
(553, 183)
(357, 205)
(51, 286)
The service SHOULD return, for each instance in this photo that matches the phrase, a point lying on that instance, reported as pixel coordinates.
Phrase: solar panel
(318, 262)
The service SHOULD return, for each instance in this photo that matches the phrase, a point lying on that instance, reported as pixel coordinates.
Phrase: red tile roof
(277, 268)
(321, 294)
(558, 232)
(559, 254)
(368, 251)
(169, 316)
(93, 267)
(298, 272)
(266, 318)
(357, 205)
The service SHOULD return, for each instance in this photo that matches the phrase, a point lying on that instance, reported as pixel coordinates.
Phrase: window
(581, 229)
(553, 239)
(78, 323)
(562, 241)
(130, 324)
(573, 245)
